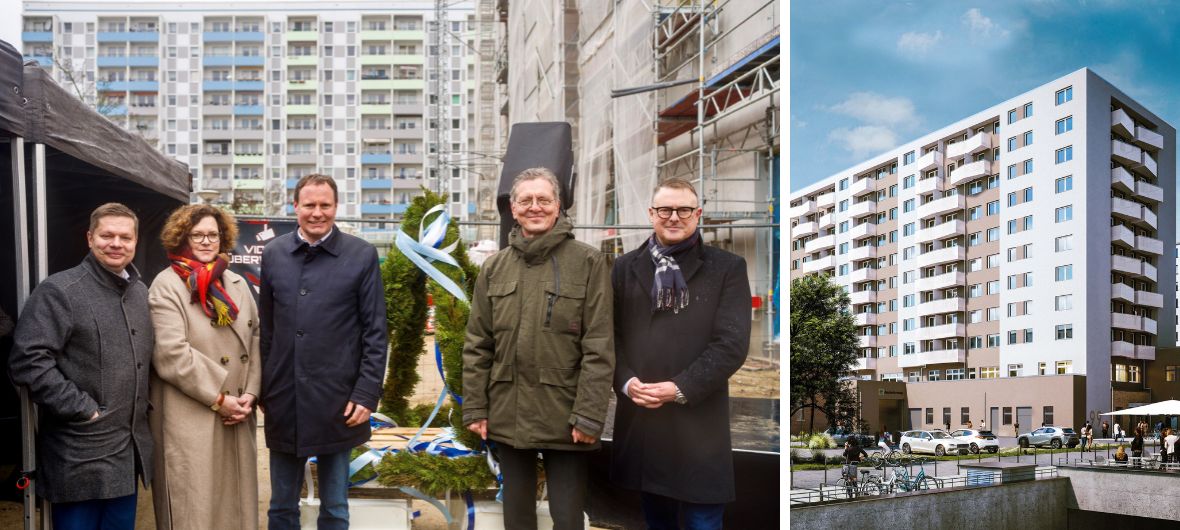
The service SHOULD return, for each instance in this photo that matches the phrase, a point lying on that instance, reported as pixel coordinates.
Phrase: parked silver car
(935, 441)
(977, 440)
(1054, 437)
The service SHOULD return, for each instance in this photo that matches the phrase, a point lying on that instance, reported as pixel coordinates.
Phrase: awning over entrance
(1163, 408)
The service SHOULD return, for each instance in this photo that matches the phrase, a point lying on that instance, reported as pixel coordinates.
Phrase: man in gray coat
(83, 347)
(323, 340)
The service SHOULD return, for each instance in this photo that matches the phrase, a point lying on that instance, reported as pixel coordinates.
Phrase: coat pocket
(505, 305)
(563, 308)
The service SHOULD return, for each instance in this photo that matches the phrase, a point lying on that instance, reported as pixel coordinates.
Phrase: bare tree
(81, 85)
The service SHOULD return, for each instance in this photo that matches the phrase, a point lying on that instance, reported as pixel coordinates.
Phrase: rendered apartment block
(1016, 266)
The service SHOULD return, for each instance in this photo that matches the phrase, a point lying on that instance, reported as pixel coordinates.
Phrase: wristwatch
(681, 399)
(217, 406)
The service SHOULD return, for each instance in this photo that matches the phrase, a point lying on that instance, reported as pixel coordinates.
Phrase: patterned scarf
(669, 290)
(205, 285)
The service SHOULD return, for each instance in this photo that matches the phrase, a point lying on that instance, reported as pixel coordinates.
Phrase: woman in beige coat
(205, 378)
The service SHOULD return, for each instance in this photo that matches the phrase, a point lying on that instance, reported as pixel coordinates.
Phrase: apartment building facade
(253, 95)
(1009, 267)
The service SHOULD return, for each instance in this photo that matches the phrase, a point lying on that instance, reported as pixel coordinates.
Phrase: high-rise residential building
(254, 95)
(1011, 267)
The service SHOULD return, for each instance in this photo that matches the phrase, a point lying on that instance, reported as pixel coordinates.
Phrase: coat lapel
(243, 327)
(690, 262)
(643, 269)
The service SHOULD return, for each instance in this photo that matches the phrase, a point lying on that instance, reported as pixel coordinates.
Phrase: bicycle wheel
(875, 459)
(893, 458)
(847, 487)
(872, 486)
(926, 483)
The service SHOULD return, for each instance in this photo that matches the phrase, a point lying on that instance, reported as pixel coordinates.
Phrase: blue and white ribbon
(425, 250)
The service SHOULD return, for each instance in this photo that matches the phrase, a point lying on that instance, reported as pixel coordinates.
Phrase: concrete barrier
(1039, 504)
(1139, 493)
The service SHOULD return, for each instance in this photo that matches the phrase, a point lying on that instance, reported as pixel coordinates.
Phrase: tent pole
(23, 288)
(41, 267)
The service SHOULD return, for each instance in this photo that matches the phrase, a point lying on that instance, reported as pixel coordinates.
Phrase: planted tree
(823, 349)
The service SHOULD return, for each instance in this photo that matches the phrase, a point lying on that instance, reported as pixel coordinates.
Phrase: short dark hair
(317, 178)
(676, 183)
(112, 209)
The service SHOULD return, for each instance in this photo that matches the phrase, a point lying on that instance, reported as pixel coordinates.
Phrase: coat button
(240, 391)
(303, 292)
(224, 359)
(132, 331)
(299, 333)
(245, 358)
(250, 323)
(213, 322)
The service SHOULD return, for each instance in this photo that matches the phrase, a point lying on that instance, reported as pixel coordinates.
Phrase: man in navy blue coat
(324, 342)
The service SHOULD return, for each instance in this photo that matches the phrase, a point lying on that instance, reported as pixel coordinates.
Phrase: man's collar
(327, 243)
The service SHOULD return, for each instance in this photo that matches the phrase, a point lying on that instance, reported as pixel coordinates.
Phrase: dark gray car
(1054, 437)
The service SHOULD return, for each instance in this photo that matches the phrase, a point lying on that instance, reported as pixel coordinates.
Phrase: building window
(993, 261)
(1064, 367)
(1015, 370)
(843, 205)
(993, 233)
(1064, 331)
(843, 226)
(1007, 415)
(1047, 415)
(1063, 302)
(993, 341)
(954, 374)
(1020, 197)
(907, 229)
(1170, 373)
(1063, 273)
(934, 375)
(1012, 117)
(1064, 184)
(1064, 213)
(946, 415)
(907, 206)
(1027, 166)
(974, 342)
(843, 184)
(907, 159)
(1063, 243)
(1064, 125)
(1064, 95)
(1065, 154)
(993, 207)
(1028, 108)
(907, 182)
(929, 415)
(1041, 368)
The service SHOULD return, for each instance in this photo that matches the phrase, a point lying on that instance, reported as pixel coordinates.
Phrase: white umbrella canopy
(1165, 408)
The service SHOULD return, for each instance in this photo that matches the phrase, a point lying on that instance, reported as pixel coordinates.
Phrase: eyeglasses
(526, 202)
(683, 212)
(201, 238)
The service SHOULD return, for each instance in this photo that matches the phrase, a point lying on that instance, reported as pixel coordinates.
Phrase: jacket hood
(537, 249)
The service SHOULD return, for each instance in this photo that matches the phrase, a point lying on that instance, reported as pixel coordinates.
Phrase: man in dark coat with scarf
(324, 340)
(682, 328)
(83, 347)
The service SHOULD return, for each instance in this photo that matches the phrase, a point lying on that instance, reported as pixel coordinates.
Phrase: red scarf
(206, 286)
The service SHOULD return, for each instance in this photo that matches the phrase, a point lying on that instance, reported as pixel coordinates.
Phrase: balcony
(941, 231)
(968, 172)
(384, 209)
(928, 161)
(383, 109)
(36, 36)
(301, 36)
(393, 84)
(121, 61)
(247, 110)
(862, 186)
(249, 184)
(1133, 267)
(862, 230)
(128, 36)
(376, 158)
(1133, 211)
(128, 86)
(1122, 348)
(974, 144)
(376, 183)
(1149, 245)
(863, 274)
(1145, 352)
(930, 185)
(216, 158)
(232, 36)
(862, 297)
(941, 206)
(825, 221)
(1126, 153)
(826, 200)
(408, 34)
(862, 252)
(303, 60)
(302, 84)
(383, 59)
(865, 319)
(249, 159)
(300, 109)
(407, 158)
(1150, 164)
(820, 243)
(1121, 123)
(942, 281)
(862, 208)
(1149, 299)
(1122, 180)
(817, 265)
(1148, 139)
(865, 363)
(943, 305)
(956, 355)
(1122, 291)
(226, 85)
(1133, 322)
(802, 209)
(301, 157)
(45, 61)
(940, 332)
(868, 341)
(942, 255)
(804, 229)
(232, 60)
(1123, 235)
(1149, 191)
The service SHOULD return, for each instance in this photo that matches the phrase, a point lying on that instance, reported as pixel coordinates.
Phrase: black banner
(253, 235)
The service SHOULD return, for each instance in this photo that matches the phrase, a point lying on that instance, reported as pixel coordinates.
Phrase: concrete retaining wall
(1039, 504)
(1141, 494)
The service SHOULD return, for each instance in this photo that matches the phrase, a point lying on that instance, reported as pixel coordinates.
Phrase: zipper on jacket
(551, 298)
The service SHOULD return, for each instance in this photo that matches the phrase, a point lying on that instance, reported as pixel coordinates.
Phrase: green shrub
(821, 441)
(799, 456)
(818, 456)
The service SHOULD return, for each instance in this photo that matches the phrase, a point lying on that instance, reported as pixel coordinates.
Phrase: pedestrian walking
(1170, 442)
(1164, 449)
(1118, 432)
(1105, 429)
(1137, 446)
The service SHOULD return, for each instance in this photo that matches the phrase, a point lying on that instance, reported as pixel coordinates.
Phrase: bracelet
(220, 399)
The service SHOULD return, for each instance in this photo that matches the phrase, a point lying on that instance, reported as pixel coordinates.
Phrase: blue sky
(869, 75)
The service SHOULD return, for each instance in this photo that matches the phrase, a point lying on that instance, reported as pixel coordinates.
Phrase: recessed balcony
(1122, 291)
(974, 144)
(820, 243)
(940, 332)
(1149, 191)
(1122, 180)
(1122, 348)
(941, 231)
(862, 253)
(825, 221)
(1133, 211)
(826, 200)
(1148, 139)
(928, 161)
(941, 206)
(868, 341)
(942, 255)
(804, 229)
(968, 172)
(1145, 352)
(862, 208)
(1121, 123)
(866, 319)
(954, 355)
(1133, 322)
(862, 297)
(802, 209)
(944, 305)
(865, 363)
(818, 264)
(863, 274)
(862, 230)
(862, 186)
(1133, 267)
(942, 281)
(930, 185)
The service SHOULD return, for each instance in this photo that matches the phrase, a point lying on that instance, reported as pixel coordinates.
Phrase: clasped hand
(651, 395)
(235, 409)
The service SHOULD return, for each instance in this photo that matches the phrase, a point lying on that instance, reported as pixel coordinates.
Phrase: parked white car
(977, 440)
(936, 441)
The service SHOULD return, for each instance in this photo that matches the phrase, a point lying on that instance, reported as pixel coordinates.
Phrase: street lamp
(208, 195)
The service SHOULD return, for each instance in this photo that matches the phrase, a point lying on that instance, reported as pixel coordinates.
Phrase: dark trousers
(99, 514)
(665, 513)
(566, 474)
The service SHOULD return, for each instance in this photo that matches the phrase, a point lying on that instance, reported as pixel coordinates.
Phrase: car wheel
(1056, 444)
(994, 450)
(939, 451)
(974, 448)
(1023, 442)
(905, 448)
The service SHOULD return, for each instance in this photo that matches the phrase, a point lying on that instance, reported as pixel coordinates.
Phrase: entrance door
(1024, 418)
(915, 419)
(994, 422)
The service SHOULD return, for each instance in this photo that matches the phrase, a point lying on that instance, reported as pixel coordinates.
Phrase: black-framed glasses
(202, 238)
(683, 212)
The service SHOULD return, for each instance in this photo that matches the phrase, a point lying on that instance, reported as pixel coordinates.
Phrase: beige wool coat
(205, 472)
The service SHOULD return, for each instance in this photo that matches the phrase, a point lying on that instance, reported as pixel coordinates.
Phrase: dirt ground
(755, 379)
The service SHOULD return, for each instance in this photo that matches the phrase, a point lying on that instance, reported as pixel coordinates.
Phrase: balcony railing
(931, 160)
(944, 305)
(817, 265)
(969, 172)
(941, 231)
(941, 281)
(862, 252)
(820, 243)
(974, 144)
(1121, 123)
(940, 332)
(955, 355)
(941, 206)
(804, 229)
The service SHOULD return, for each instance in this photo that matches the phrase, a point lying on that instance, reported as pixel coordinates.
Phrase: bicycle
(906, 482)
(868, 484)
(881, 458)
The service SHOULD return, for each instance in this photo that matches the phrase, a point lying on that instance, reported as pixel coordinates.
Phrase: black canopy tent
(540, 144)
(62, 160)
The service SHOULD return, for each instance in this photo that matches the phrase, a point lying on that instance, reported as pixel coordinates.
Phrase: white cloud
(864, 140)
(982, 27)
(875, 109)
(917, 44)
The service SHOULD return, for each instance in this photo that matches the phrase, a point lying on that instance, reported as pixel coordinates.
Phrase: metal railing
(826, 492)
